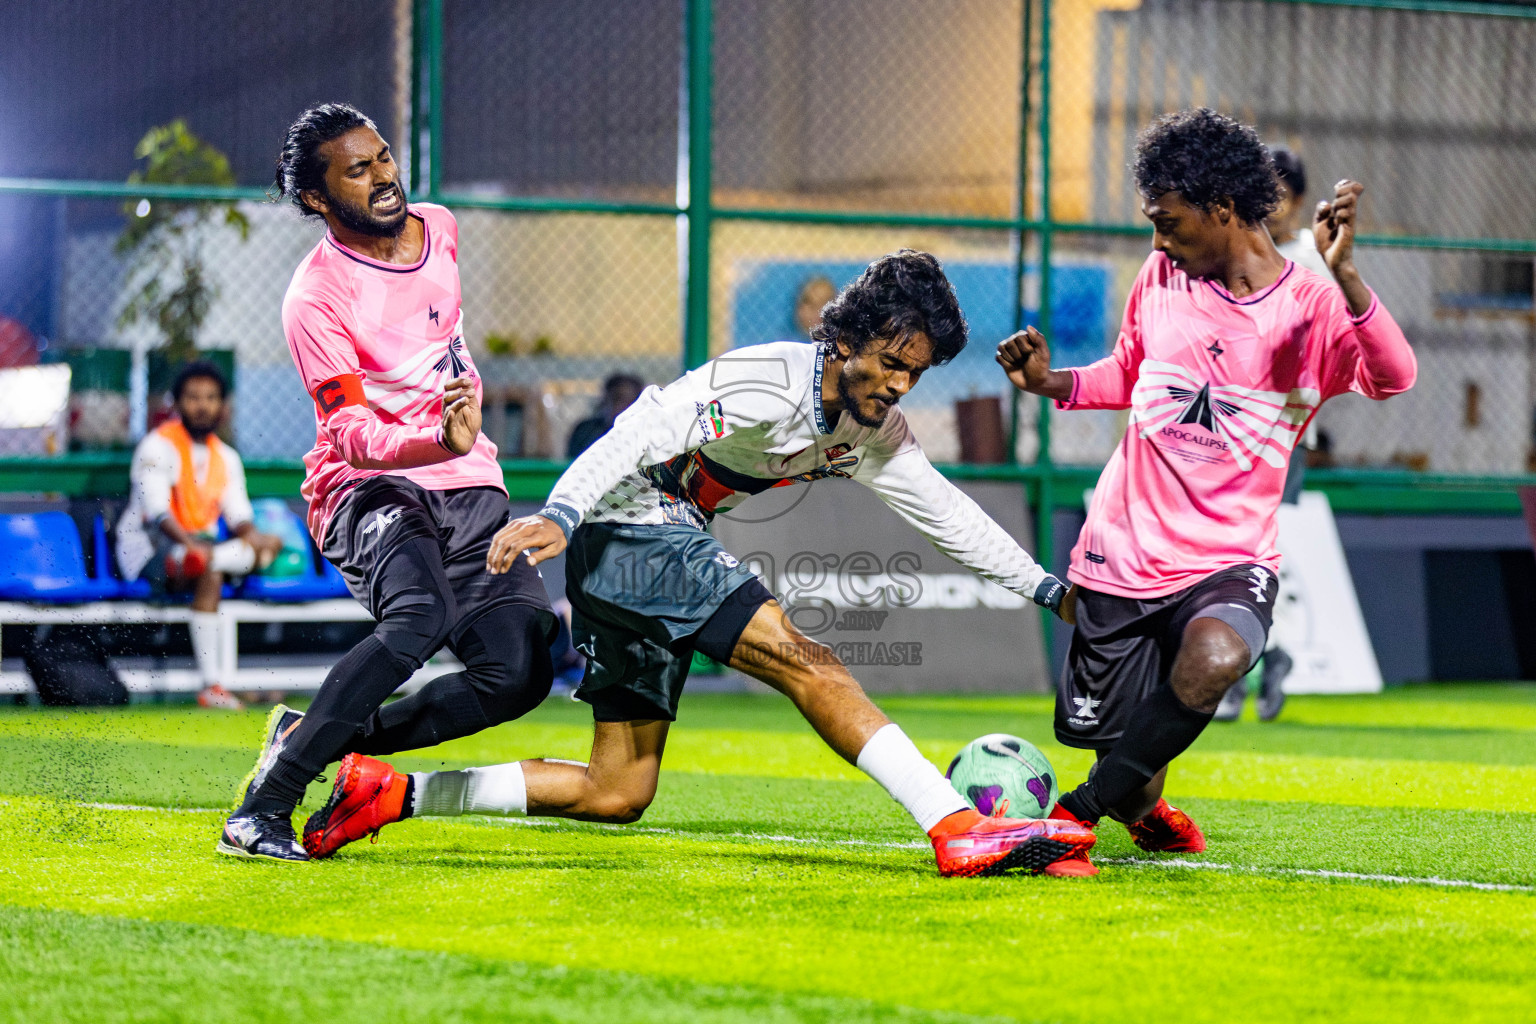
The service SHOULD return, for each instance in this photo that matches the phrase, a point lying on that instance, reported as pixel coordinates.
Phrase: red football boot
(184, 563)
(367, 795)
(966, 843)
(1077, 865)
(1167, 829)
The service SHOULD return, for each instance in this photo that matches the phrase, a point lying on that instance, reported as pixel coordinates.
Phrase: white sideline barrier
(137, 679)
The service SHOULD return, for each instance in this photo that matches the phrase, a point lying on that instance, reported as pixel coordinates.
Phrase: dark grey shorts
(383, 511)
(1123, 647)
(642, 599)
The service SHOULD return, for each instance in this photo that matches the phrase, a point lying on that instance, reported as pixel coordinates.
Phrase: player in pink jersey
(405, 494)
(1225, 353)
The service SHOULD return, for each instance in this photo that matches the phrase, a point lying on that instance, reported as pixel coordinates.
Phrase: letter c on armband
(346, 389)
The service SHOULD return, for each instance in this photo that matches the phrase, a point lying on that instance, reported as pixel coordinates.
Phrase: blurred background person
(619, 393)
(1290, 224)
(183, 479)
(811, 299)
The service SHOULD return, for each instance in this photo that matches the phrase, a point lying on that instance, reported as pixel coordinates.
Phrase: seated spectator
(619, 393)
(183, 479)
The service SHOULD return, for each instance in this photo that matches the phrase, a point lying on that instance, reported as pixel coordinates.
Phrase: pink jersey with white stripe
(375, 343)
(1219, 389)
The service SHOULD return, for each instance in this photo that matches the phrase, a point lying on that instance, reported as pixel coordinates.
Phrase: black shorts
(382, 512)
(1123, 647)
(643, 599)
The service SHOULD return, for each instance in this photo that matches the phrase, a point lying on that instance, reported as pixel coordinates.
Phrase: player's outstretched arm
(1386, 362)
(1026, 358)
(1333, 229)
(896, 469)
(538, 535)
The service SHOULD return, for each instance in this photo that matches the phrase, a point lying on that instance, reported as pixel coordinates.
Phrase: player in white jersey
(649, 586)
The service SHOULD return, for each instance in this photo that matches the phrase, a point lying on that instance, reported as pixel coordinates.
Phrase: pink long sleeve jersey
(1219, 389)
(375, 344)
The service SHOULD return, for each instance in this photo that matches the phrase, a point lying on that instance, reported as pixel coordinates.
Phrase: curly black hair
(1206, 157)
(299, 166)
(896, 297)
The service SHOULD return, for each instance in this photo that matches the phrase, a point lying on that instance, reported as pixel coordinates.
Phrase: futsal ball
(999, 769)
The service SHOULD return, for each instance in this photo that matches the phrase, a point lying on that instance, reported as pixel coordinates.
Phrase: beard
(364, 221)
(851, 405)
(199, 430)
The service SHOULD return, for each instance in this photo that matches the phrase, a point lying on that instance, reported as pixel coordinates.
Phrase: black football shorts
(382, 512)
(1123, 647)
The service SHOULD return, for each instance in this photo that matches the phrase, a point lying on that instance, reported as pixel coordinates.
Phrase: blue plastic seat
(42, 559)
(320, 583)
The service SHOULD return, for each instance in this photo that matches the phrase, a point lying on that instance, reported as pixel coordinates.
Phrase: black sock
(410, 793)
(507, 672)
(352, 691)
(1161, 729)
(444, 709)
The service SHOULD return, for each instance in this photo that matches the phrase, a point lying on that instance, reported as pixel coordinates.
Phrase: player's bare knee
(617, 807)
(1211, 658)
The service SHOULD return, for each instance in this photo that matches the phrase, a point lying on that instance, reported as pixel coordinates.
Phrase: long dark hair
(897, 296)
(299, 165)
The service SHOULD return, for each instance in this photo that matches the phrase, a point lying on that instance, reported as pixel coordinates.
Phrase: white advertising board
(1317, 616)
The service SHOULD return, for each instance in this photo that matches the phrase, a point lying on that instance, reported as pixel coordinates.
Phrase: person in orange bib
(183, 480)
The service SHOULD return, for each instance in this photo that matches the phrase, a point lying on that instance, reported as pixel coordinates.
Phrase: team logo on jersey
(1214, 348)
(1199, 409)
(711, 420)
(382, 520)
(1260, 582)
(1085, 706)
(454, 358)
(431, 313)
(1249, 423)
(840, 462)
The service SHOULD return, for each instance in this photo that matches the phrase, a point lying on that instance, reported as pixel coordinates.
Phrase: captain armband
(342, 390)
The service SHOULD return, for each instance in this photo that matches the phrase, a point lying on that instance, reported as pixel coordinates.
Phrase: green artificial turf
(770, 881)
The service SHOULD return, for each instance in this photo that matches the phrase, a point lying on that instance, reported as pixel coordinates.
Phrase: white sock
(205, 646)
(233, 557)
(891, 760)
(498, 789)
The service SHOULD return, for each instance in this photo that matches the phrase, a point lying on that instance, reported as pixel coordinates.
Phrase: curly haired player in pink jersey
(1226, 351)
(405, 494)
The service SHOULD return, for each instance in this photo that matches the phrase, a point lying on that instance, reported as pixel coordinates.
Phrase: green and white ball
(999, 767)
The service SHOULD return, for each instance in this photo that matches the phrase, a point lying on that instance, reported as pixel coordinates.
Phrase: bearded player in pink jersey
(1226, 352)
(404, 492)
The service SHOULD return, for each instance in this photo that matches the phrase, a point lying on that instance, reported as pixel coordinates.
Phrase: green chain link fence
(642, 185)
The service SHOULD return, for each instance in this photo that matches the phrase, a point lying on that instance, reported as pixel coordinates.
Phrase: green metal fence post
(1045, 532)
(699, 207)
(434, 55)
(1045, 545)
(420, 142)
(1021, 211)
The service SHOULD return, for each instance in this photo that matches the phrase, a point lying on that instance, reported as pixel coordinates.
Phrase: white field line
(1349, 876)
(162, 810)
(1130, 862)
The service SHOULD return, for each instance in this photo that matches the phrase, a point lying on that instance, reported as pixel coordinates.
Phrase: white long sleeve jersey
(752, 419)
